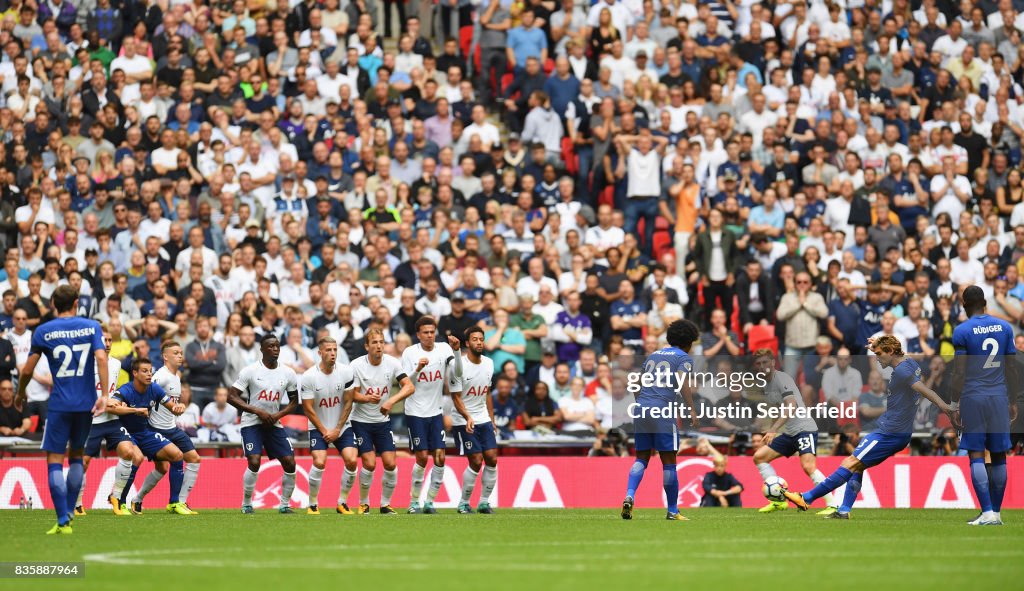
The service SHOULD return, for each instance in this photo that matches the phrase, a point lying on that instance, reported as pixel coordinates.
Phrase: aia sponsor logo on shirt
(268, 396)
(382, 391)
(330, 402)
(478, 391)
(429, 376)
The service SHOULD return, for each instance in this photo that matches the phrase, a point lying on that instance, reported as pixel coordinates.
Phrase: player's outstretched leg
(849, 497)
(838, 478)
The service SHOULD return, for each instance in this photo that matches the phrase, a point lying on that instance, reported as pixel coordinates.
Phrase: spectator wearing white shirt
(294, 290)
(530, 284)
(964, 269)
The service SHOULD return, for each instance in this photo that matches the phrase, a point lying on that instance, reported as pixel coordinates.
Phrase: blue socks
(670, 481)
(834, 481)
(852, 489)
(997, 482)
(979, 478)
(58, 491)
(128, 485)
(76, 475)
(177, 475)
(636, 474)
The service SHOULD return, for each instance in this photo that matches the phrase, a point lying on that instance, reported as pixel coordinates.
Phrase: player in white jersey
(257, 392)
(376, 376)
(429, 364)
(473, 421)
(788, 434)
(107, 429)
(164, 422)
(326, 390)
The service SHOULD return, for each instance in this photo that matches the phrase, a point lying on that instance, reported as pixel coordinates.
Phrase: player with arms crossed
(662, 434)
(107, 429)
(984, 365)
(799, 435)
(376, 374)
(326, 390)
(893, 432)
(429, 364)
(257, 392)
(163, 422)
(74, 346)
(134, 403)
(473, 421)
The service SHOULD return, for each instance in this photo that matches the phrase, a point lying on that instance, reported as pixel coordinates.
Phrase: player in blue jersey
(893, 432)
(662, 434)
(985, 364)
(74, 349)
(133, 403)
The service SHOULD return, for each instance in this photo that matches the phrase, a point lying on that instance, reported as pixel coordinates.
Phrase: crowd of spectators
(571, 175)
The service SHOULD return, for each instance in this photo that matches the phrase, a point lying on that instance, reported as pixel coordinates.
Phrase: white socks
(348, 478)
(417, 483)
(365, 480)
(488, 480)
(81, 493)
(287, 488)
(468, 482)
(817, 478)
(436, 478)
(248, 485)
(152, 479)
(388, 483)
(315, 478)
(122, 473)
(766, 471)
(189, 481)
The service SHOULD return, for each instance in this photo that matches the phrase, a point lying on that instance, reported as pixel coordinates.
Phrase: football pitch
(524, 549)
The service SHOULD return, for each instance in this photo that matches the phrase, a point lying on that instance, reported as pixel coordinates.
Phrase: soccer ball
(774, 487)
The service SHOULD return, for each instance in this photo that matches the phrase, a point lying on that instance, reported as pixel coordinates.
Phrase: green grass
(524, 550)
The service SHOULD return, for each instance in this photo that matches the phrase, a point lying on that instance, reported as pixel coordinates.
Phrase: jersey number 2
(992, 344)
(66, 354)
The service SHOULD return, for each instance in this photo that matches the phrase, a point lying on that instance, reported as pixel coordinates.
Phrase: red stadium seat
(506, 80)
(734, 322)
(34, 423)
(661, 225)
(549, 66)
(465, 39)
(762, 337)
(607, 196)
(662, 244)
(572, 163)
(297, 422)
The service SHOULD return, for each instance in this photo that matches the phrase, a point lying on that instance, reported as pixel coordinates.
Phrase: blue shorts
(150, 442)
(317, 443)
(804, 442)
(66, 430)
(477, 442)
(655, 434)
(258, 439)
(178, 438)
(986, 423)
(111, 431)
(374, 437)
(426, 433)
(877, 447)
